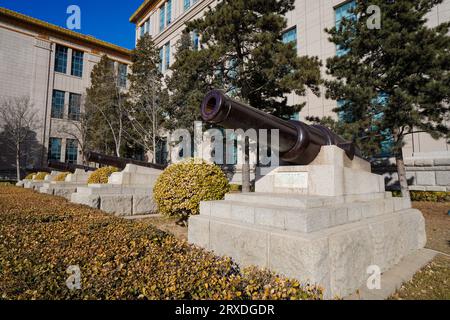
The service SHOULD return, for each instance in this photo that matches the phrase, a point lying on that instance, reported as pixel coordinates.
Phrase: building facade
(165, 20)
(51, 66)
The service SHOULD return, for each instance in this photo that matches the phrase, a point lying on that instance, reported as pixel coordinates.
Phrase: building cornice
(143, 9)
(49, 29)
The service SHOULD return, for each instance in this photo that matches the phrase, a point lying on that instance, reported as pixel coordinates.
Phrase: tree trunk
(154, 137)
(401, 170)
(246, 171)
(18, 163)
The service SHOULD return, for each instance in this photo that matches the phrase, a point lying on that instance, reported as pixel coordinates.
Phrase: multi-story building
(428, 160)
(51, 66)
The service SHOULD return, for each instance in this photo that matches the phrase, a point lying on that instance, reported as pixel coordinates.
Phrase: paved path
(393, 279)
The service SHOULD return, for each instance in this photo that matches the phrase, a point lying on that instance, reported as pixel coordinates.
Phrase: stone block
(426, 178)
(436, 189)
(300, 258)
(338, 216)
(442, 162)
(198, 232)
(120, 205)
(220, 209)
(423, 162)
(443, 178)
(143, 204)
(267, 217)
(92, 201)
(354, 213)
(350, 253)
(247, 245)
(205, 208)
(241, 212)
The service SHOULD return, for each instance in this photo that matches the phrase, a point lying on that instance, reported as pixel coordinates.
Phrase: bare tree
(18, 121)
(78, 129)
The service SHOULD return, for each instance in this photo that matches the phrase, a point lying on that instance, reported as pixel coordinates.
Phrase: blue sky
(106, 20)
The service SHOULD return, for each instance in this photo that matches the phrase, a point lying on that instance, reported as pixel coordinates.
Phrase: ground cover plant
(41, 236)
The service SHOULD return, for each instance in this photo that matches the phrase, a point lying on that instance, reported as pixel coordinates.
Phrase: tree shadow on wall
(30, 155)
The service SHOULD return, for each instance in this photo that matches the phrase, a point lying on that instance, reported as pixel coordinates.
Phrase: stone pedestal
(129, 192)
(324, 223)
(65, 188)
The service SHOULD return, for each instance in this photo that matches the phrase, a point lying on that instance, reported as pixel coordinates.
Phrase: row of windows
(54, 150)
(76, 68)
(58, 101)
(165, 16)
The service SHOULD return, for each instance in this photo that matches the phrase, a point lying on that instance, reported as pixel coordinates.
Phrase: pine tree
(148, 98)
(392, 81)
(105, 106)
(243, 53)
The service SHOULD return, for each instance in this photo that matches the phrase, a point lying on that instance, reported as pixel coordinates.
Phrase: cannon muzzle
(118, 162)
(299, 143)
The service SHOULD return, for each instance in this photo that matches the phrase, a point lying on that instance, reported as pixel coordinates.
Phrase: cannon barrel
(64, 166)
(118, 162)
(299, 143)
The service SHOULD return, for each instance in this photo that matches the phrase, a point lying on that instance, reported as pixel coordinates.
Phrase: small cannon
(70, 167)
(299, 143)
(118, 162)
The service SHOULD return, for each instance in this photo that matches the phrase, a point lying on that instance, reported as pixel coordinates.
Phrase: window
(71, 151)
(61, 59)
(77, 63)
(161, 59)
(343, 12)
(165, 15)
(169, 12)
(74, 106)
(167, 59)
(187, 4)
(147, 26)
(195, 40)
(162, 17)
(54, 149)
(58, 104)
(290, 36)
(122, 78)
(142, 30)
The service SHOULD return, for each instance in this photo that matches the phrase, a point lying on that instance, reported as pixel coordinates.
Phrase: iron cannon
(299, 143)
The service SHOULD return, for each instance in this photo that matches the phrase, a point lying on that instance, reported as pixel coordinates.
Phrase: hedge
(61, 176)
(101, 175)
(40, 176)
(182, 186)
(428, 196)
(119, 259)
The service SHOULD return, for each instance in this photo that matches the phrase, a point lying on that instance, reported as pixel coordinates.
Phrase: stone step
(301, 201)
(301, 219)
(97, 189)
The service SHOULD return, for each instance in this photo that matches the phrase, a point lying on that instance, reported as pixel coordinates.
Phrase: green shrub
(61, 176)
(180, 188)
(40, 176)
(30, 176)
(118, 259)
(427, 196)
(101, 175)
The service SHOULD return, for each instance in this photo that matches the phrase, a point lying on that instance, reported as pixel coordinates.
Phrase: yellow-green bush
(180, 188)
(119, 259)
(101, 175)
(61, 176)
(428, 196)
(40, 176)
(30, 176)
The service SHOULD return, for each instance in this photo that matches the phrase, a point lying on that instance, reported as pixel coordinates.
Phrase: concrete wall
(27, 69)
